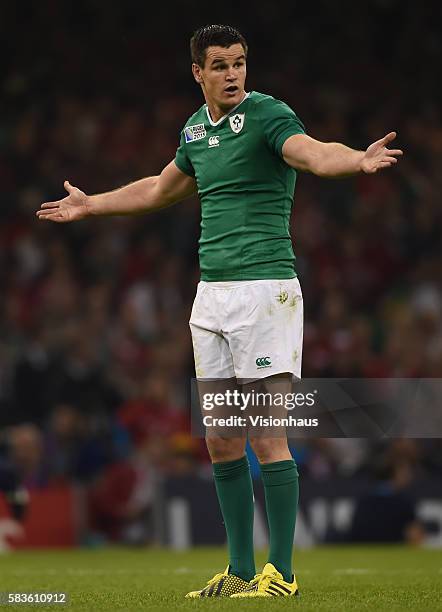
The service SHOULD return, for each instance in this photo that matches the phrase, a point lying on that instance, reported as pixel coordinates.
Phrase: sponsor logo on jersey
(237, 122)
(213, 141)
(194, 132)
(263, 362)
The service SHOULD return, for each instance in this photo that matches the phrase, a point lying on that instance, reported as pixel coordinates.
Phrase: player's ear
(197, 75)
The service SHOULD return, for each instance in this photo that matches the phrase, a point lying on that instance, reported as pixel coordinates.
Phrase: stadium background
(95, 352)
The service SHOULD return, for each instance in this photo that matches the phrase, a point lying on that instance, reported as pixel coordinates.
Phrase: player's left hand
(377, 156)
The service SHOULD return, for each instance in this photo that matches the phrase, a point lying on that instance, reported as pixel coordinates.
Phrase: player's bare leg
(233, 483)
(280, 479)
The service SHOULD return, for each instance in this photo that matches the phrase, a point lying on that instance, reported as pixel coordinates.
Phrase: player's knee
(269, 449)
(225, 449)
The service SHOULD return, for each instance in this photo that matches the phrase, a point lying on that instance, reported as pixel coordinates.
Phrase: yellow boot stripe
(273, 591)
(282, 588)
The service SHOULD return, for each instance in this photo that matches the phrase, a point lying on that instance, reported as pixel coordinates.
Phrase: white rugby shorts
(247, 329)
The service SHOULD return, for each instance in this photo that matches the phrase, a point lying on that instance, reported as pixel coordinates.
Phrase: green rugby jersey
(245, 187)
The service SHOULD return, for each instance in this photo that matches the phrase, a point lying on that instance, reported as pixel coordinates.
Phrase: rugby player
(240, 152)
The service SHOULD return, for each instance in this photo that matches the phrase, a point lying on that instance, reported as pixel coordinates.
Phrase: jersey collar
(215, 123)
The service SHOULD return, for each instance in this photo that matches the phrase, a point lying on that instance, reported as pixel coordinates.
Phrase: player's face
(223, 76)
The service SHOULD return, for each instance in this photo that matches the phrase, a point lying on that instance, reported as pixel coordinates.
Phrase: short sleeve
(279, 122)
(182, 160)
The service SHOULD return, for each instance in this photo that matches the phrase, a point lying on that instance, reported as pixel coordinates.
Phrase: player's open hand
(71, 208)
(377, 156)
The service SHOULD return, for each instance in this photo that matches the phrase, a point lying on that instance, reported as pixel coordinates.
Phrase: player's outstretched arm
(334, 160)
(145, 195)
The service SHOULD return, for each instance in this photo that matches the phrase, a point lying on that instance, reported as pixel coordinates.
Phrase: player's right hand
(71, 208)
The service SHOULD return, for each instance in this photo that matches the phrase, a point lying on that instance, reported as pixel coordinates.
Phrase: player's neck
(216, 112)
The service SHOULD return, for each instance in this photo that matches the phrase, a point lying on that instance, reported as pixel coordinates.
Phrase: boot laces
(215, 578)
(260, 582)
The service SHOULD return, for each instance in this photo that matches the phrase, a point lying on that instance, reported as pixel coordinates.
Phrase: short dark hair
(216, 36)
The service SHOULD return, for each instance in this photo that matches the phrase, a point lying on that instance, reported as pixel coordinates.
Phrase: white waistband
(242, 283)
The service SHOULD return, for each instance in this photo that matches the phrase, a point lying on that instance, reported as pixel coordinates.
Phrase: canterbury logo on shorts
(263, 362)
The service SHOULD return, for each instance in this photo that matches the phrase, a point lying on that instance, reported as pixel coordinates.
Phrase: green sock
(235, 493)
(281, 494)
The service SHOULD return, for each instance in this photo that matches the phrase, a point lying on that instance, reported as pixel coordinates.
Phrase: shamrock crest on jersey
(237, 122)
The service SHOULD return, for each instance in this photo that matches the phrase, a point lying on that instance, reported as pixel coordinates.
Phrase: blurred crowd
(95, 352)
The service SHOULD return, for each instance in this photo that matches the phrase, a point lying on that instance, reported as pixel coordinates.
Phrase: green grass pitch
(337, 579)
